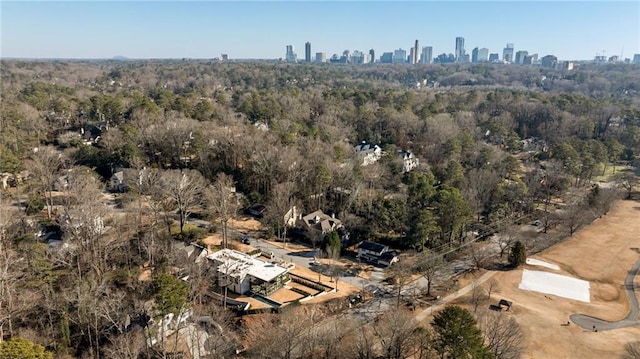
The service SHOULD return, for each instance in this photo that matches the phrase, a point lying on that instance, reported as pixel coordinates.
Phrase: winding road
(588, 322)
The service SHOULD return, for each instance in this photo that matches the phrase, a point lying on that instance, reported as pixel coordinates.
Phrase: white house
(243, 273)
(409, 160)
(368, 153)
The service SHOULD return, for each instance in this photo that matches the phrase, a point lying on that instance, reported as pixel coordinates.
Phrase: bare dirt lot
(601, 254)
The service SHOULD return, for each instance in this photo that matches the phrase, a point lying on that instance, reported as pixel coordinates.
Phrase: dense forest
(497, 145)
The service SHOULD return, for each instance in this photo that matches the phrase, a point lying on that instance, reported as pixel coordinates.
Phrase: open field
(601, 254)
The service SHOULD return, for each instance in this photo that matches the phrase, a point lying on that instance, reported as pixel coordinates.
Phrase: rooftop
(238, 262)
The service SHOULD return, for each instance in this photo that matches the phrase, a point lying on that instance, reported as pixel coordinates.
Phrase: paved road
(630, 320)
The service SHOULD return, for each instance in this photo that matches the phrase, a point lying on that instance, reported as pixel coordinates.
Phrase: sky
(571, 30)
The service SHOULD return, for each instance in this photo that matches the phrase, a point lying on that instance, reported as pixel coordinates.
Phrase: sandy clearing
(285, 295)
(556, 284)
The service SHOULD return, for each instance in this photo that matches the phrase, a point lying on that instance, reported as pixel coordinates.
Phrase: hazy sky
(205, 29)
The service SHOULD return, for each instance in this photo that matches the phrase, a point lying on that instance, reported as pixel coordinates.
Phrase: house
(409, 160)
(321, 222)
(116, 182)
(368, 153)
(243, 273)
(376, 253)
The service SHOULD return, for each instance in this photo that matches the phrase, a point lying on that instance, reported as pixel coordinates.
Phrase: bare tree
(506, 239)
(185, 189)
(492, 286)
(627, 181)
(394, 333)
(428, 265)
(224, 202)
(47, 164)
(502, 334)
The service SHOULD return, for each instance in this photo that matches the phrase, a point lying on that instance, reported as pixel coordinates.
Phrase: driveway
(631, 320)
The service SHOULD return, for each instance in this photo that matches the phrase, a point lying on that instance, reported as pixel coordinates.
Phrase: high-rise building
(225, 57)
(372, 56)
(474, 55)
(414, 58)
(636, 58)
(358, 57)
(427, 55)
(530, 59)
(483, 54)
(549, 61)
(321, 57)
(459, 48)
(291, 55)
(520, 55)
(494, 57)
(412, 55)
(507, 53)
(307, 52)
(386, 58)
(399, 56)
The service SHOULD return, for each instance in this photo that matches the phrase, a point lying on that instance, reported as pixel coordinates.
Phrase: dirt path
(459, 293)
(589, 323)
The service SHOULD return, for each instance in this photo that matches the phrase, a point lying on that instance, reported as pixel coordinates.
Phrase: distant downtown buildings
(425, 55)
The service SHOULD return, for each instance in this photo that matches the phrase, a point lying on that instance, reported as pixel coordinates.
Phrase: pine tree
(518, 255)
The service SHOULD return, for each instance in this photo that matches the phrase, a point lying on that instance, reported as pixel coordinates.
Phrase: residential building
(494, 57)
(372, 56)
(368, 153)
(459, 49)
(386, 58)
(307, 52)
(242, 273)
(636, 58)
(427, 55)
(376, 253)
(474, 55)
(567, 65)
(291, 55)
(520, 55)
(483, 55)
(399, 56)
(321, 222)
(549, 61)
(409, 160)
(414, 58)
(321, 57)
(412, 55)
(613, 59)
(507, 53)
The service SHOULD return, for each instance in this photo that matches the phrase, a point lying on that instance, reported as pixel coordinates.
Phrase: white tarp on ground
(556, 284)
(537, 262)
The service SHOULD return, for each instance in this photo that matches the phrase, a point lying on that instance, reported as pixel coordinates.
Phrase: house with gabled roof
(368, 153)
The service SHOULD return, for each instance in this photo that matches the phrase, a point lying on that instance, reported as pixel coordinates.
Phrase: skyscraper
(307, 52)
(507, 53)
(520, 55)
(549, 61)
(372, 56)
(412, 55)
(474, 55)
(290, 56)
(386, 58)
(399, 56)
(483, 55)
(459, 48)
(494, 57)
(427, 55)
(414, 59)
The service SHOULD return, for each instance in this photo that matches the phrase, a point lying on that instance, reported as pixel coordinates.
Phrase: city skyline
(580, 31)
